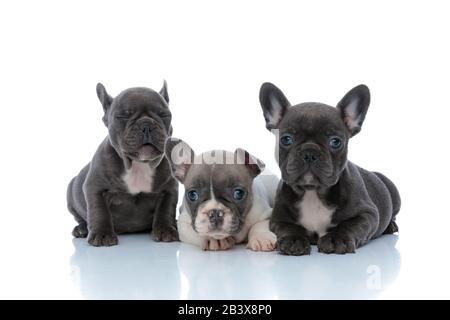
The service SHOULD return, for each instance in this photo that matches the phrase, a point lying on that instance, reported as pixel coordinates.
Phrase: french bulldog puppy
(128, 186)
(325, 199)
(227, 200)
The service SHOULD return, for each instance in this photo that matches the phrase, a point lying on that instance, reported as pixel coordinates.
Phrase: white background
(214, 56)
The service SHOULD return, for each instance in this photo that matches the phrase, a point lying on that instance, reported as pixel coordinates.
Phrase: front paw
(99, 239)
(80, 231)
(216, 245)
(264, 241)
(335, 242)
(165, 234)
(294, 246)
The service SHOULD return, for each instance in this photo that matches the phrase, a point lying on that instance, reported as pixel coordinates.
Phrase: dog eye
(124, 115)
(335, 143)
(192, 195)
(238, 194)
(164, 115)
(286, 140)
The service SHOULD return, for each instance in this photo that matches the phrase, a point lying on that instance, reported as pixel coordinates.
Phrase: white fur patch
(202, 220)
(185, 230)
(260, 238)
(314, 215)
(139, 178)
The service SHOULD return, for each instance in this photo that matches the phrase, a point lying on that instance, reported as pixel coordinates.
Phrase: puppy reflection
(363, 275)
(137, 269)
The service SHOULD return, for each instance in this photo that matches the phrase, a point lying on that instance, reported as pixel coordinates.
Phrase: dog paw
(102, 239)
(336, 243)
(391, 228)
(294, 246)
(165, 234)
(80, 231)
(216, 245)
(264, 241)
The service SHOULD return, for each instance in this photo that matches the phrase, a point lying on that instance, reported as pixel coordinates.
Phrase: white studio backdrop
(214, 56)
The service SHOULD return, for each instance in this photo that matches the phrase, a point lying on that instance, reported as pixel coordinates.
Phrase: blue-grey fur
(365, 203)
(99, 199)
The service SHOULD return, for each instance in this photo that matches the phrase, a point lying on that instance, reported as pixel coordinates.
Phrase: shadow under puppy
(227, 200)
(128, 186)
(323, 198)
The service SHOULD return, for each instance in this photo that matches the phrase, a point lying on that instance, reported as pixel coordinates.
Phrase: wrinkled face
(312, 146)
(218, 197)
(312, 138)
(138, 122)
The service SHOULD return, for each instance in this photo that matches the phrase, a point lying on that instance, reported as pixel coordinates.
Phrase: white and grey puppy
(227, 200)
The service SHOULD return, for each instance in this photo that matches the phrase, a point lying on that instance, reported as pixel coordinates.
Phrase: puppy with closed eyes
(227, 200)
(127, 187)
(325, 199)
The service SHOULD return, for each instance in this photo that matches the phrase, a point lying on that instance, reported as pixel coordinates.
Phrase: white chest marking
(139, 178)
(314, 215)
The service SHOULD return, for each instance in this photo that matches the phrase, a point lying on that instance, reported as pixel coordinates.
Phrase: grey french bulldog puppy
(128, 186)
(323, 198)
(228, 199)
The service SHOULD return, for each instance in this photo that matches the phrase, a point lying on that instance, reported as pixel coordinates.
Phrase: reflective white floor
(39, 259)
(141, 268)
(52, 265)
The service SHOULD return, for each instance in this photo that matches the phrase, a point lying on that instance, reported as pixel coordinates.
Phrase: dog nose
(215, 217)
(310, 156)
(146, 132)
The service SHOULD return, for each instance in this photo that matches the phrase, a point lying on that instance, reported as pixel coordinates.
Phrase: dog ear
(353, 108)
(105, 100)
(164, 93)
(180, 156)
(274, 104)
(252, 163)
(104, 97)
